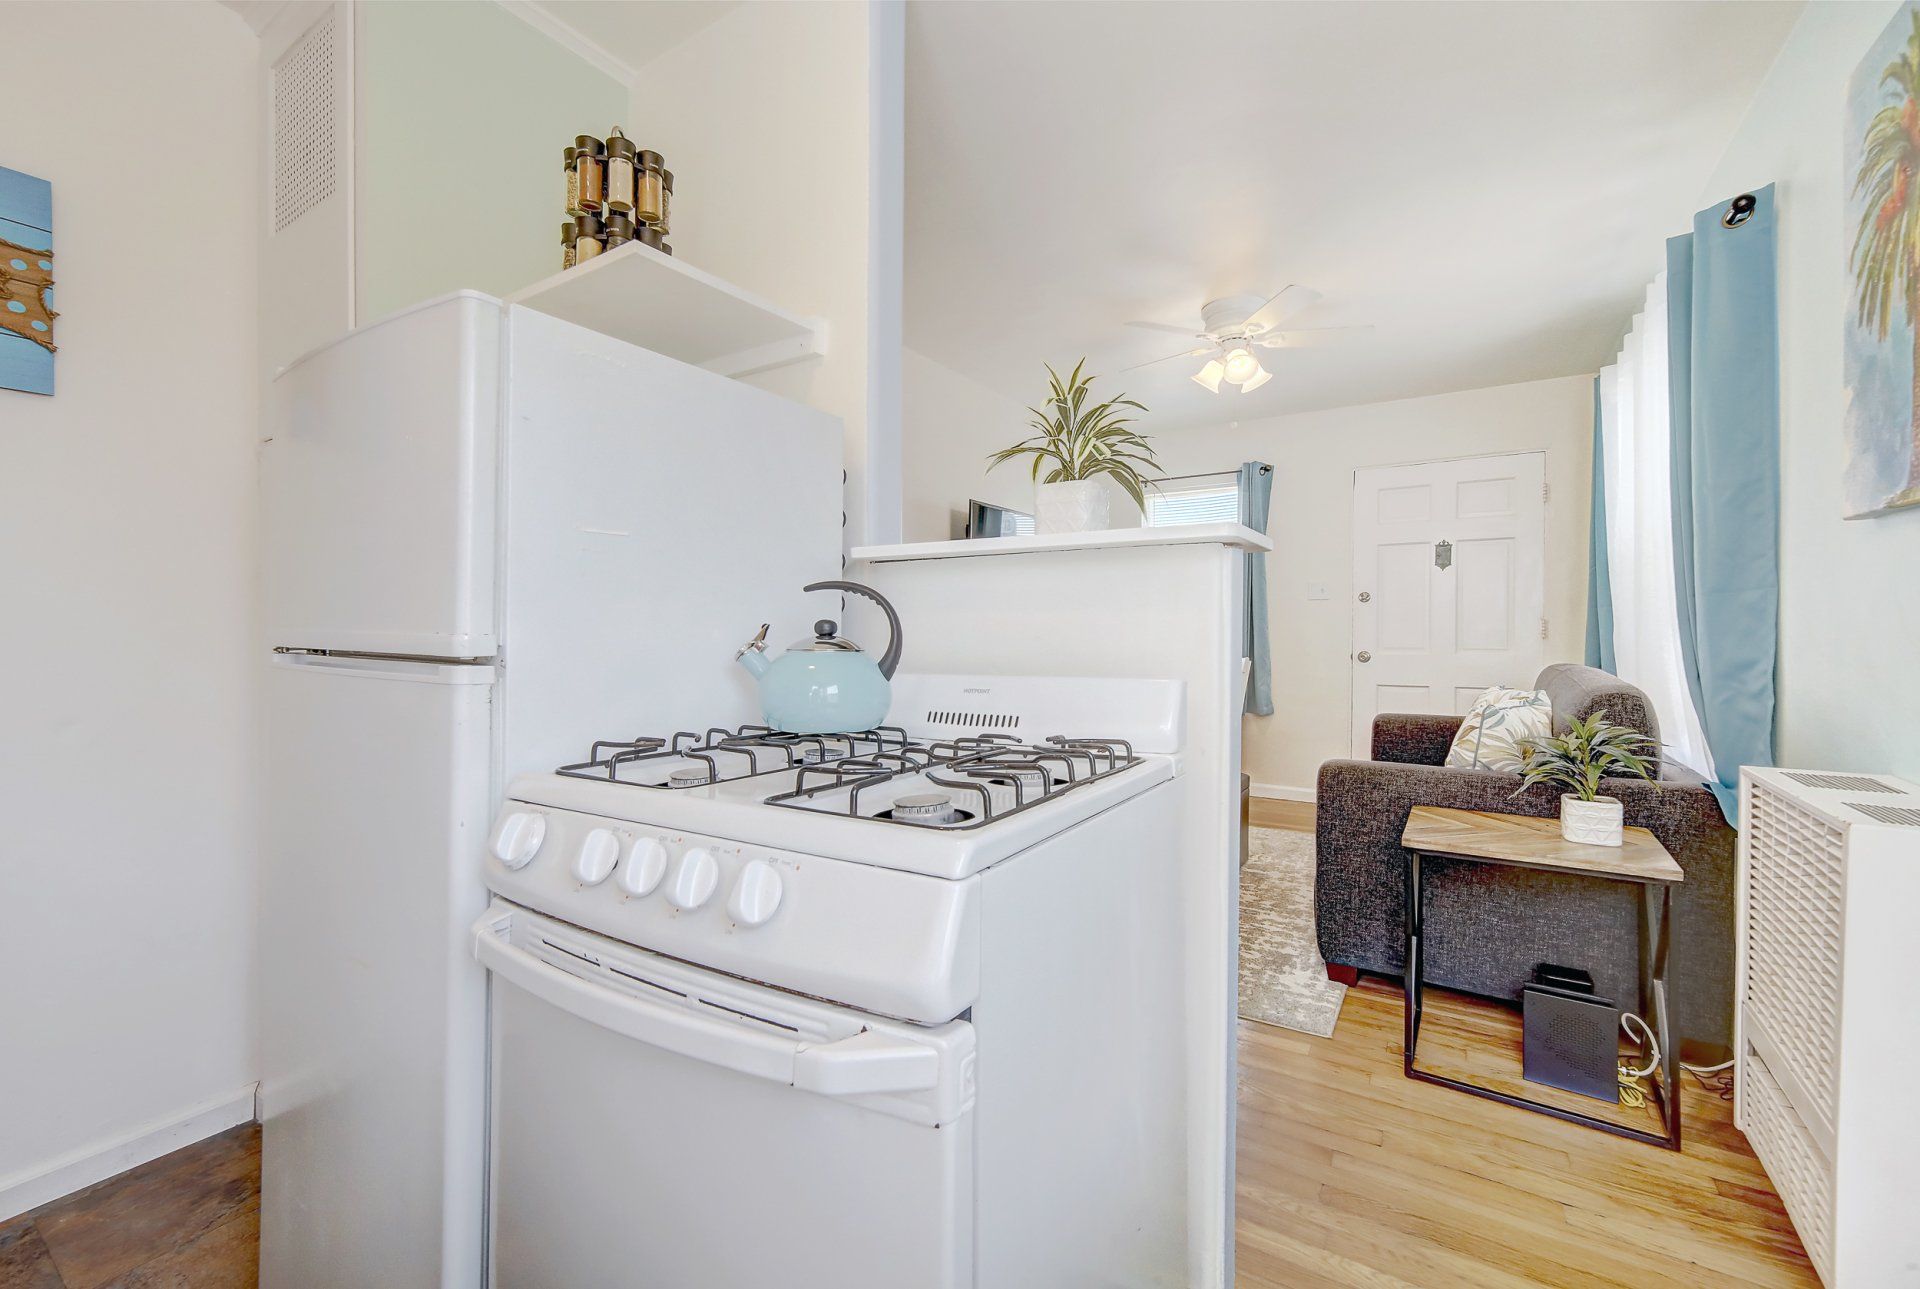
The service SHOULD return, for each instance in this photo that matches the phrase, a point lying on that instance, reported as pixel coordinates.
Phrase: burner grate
(732, 754)
(972, 767)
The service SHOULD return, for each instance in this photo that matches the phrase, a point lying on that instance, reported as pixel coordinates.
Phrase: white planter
(1592, 823)
(1083, 506)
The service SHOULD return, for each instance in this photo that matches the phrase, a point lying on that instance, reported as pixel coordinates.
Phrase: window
(1195, 499)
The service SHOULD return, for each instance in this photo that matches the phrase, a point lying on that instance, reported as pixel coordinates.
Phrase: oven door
(661, 1126)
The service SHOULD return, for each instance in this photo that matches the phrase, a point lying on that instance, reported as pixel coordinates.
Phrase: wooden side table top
(1528, 842)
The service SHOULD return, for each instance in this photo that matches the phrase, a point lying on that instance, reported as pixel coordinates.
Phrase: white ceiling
(1489, 184)
(632, 32)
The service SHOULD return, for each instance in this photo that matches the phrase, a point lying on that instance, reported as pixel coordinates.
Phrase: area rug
(1283, 979)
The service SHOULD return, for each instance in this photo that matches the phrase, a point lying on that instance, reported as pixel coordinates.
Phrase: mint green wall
(463, 111)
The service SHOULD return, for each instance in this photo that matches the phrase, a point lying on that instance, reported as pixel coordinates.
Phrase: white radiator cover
(1827, 1033)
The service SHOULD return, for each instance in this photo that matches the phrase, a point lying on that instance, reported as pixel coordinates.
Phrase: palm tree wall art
(1883, 326)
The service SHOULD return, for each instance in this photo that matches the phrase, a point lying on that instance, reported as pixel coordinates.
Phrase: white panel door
(378, 477)
(1449, 578)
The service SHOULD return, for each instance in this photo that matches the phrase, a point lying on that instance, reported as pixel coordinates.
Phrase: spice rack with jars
(618, 275)
(616, 193)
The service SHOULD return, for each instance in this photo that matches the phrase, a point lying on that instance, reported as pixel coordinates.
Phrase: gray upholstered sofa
(1487, 927)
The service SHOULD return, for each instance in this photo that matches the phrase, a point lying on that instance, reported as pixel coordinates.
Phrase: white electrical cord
(1629, 1022)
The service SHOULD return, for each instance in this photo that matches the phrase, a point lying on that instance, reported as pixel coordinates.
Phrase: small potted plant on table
(1085, 451)
(1591, 750)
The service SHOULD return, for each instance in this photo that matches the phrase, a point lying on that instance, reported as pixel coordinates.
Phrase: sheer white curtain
(1637, 444)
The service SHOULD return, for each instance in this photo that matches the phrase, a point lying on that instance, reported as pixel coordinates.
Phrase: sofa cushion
(1496, 726)
(1578, 692)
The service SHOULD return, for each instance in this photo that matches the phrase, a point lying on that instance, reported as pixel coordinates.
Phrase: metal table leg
(1654, 945)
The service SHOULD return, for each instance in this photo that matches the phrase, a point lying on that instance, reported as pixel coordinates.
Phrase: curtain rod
(1207, 474)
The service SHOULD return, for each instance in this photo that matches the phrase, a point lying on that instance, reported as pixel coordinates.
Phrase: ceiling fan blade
(1166, 326)
(1285, 302)
(1186, 353)
(1302, 337)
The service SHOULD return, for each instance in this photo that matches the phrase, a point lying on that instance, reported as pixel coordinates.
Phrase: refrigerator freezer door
(378, 482)
(372, 1009)
(656, 516)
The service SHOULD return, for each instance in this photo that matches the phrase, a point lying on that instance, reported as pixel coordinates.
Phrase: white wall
(1849, 671)
(463, 110)
(1314, 455)
(765, 116)
(949, 425)
(127, 542)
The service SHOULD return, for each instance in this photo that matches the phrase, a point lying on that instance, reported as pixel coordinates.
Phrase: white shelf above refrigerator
(648, 298)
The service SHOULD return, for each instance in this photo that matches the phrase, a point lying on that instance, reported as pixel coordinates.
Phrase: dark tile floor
(191, 1218)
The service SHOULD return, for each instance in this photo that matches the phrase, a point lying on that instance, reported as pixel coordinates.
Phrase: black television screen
(984, 520)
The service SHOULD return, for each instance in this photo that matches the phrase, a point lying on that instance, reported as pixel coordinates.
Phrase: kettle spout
(753, 654)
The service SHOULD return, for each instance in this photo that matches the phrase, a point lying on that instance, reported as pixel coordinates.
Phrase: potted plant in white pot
(1591, 750)
(1085, 450)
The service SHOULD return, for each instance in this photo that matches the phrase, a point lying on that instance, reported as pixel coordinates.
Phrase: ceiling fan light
(1241, 365)
(1259, 378)
(1210, 376)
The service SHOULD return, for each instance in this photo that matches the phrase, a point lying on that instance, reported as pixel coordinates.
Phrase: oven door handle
(669, 1028)
(863, 1064)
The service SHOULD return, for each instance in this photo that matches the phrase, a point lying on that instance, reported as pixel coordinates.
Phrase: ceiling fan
(1234, 328)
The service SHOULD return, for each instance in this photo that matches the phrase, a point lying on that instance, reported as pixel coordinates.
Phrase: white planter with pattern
(1599, 822)
(1083, 506)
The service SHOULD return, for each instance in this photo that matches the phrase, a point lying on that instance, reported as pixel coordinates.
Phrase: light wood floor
(1353, 1175)
(1350, 1175)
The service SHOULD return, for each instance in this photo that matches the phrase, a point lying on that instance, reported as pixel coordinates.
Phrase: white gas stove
(944, 952)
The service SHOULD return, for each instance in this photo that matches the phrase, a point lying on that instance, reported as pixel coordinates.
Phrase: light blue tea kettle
(826, 685)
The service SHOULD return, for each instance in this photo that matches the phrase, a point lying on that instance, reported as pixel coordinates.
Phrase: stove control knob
(756, 896)
(693, 880)
(598, 855)
(645, 867)
(519, 838)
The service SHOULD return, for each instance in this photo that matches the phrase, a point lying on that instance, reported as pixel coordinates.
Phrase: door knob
(1364, 656)
(1366, 597)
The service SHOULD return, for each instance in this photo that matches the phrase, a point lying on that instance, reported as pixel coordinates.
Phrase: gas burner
(961, 783)
(719, 755)
(924, 808)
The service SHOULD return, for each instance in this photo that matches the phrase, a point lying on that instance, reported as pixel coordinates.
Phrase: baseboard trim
(29, 1189)
(1282, 792)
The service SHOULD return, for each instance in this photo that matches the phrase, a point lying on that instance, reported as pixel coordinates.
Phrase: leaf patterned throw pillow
(1499, 721)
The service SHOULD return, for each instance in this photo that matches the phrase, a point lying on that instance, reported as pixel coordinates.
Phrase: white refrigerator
(492, 537)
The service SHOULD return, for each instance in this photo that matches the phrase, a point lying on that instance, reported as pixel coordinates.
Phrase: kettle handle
(891, 658)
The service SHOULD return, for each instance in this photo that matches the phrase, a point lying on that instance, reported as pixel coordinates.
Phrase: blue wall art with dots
(26, 283)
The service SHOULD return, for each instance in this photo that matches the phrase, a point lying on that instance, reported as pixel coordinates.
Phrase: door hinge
(1543, 628)
(1546, 492)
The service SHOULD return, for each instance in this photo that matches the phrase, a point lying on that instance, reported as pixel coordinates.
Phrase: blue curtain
(1256, 496)
(1599, 579)
(1724, 388)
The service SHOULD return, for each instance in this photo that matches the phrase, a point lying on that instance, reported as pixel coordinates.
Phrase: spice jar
(586, 239)
(589, 165)
(619, 196)
(649, 235)
(573, 180)
(666, 202)
(649, 199)
(568, 232)
(619, 231)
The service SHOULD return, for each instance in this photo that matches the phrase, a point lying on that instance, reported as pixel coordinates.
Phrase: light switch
(1316, 590)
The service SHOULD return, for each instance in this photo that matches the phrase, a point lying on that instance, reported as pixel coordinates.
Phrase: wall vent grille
(1795, 870)
(974, 720)
(1840, 782)
(303, 124)
(1899, 816)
